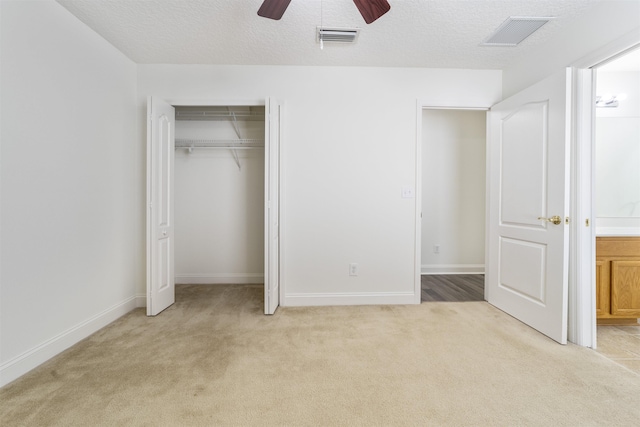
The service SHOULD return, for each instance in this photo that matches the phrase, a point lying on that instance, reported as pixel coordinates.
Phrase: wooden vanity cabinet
(617, 279)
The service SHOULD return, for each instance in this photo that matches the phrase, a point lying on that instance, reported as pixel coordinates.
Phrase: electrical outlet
(353, 269)
(407, 192)
(436, 249)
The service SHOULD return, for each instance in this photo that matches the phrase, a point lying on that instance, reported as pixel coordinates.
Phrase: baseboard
(219, 278)
(452, 269)
(141, 301)
(377, 298)
(31, 359)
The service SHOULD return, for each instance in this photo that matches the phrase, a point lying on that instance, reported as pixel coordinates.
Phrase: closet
(219, 192)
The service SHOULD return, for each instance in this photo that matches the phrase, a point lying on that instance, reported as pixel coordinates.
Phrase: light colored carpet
(214, 359)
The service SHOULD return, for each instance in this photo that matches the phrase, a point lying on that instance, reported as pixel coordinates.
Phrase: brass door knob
(554, 219)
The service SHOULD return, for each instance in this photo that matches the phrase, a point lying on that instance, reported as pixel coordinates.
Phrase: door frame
(263, 102)
(582, 287)
(422, 105)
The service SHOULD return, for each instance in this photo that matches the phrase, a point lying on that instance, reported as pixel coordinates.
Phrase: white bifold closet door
(160, 221)
(160, 205)
(272, 206)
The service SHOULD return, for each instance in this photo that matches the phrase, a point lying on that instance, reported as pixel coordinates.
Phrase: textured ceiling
(415, 33)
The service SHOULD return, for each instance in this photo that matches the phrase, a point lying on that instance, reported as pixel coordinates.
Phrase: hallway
(452, 287)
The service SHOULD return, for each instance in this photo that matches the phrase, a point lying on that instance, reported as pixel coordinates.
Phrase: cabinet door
(625, 288)
(603, 289)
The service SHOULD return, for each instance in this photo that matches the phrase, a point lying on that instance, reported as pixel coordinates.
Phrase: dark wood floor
(453, 287)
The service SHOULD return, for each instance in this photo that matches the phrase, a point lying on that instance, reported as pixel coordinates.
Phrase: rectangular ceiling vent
(514, 30)
(337, 35)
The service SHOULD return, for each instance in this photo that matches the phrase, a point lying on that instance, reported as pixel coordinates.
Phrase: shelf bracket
(234, 123)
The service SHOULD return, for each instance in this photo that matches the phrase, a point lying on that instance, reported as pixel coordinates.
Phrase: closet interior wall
(219, 195)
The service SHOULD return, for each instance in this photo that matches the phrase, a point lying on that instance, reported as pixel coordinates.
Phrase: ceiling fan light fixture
(336, 35)
(372, 9)
(514, 30)
(273, 9)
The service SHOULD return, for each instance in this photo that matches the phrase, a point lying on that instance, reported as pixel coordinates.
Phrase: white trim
(219, 278)
(581, 297)
(450, 105)
(176, 102)
(487, 205)
(431, 107)
(452, 269)
(281, 200)
(417, 235)
(327, 299)
(23, 363)
(147, 237)
(141, 301)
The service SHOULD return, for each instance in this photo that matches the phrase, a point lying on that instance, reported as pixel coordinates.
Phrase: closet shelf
(220, 143)
(220, 113)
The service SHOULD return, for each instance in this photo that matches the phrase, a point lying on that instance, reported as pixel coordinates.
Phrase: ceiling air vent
(337, 35)
(514, 30)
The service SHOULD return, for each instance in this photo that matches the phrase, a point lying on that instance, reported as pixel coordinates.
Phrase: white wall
(219, 207)
(453, 191)
(71, 230)
(349, 146)
(618, 155)
(606, 22)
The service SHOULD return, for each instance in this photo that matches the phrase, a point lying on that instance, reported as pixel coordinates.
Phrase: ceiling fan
(369, 9)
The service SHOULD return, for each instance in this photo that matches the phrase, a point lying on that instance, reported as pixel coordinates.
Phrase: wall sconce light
(609, 101)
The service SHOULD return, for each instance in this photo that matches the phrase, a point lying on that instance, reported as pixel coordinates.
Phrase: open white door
(272, 206)
(160, 155)
(527, 258)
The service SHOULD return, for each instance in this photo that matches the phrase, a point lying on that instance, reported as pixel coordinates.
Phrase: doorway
(617, 149)
(219, 195)
(453, 204)
(617, 207)
(582, 321)
(161, 143)
(526, 146)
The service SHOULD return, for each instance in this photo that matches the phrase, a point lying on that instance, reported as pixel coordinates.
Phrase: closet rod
(219, 143)
(225, 147)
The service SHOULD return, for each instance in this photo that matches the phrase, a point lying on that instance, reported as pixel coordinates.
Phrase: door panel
(524, 156)
(625, 288)
(160, 255)
(527, 256)
(603, 291)
(525, 280)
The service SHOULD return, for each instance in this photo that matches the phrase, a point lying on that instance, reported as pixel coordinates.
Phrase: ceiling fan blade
(273, 9)
(372, 9)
